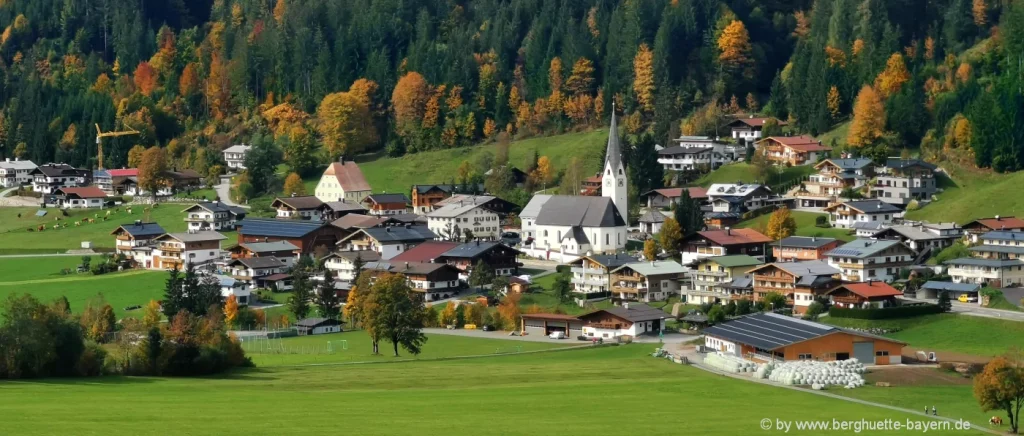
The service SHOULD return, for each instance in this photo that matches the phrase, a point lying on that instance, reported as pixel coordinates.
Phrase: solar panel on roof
(844, 252)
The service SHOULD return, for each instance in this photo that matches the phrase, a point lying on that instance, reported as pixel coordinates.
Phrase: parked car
(557, 335)
(488, 328)
(964, 298)
(510, 238)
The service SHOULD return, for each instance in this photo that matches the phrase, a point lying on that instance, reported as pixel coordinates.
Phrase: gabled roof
(457, 205)
(806, 241)
(678, 149)
(305, 202)
(915, 233)
(655, 268)
(239, 148)
(206, 235)
(807, 269)
(771, 331)
(695, 192)
(216, 206)
(258, 262)
(140, 230)
(344, 206)
(998, 223)
(734, 236)
(567, 210)
(867, 206)
(610, 261)
(408, 267)
(472, 250)
(802, 143)
(991, 248)
(17, 164)
(387, 198)
(1002, 235)
(899, 164)
(182, 174)
(425, 252)
(269, 247)
(58, 170)
(533, 207)
(873, 289)
(740, 190)
(349, 176)
(990, 263)
(653, 216)
(862, 247)
(577, 234)
(278, 228)
(395, 234)
(950, 286)
(756, 122)
(124, 172)
(846, 164)
(734, 260)
(83, 192)
(356, 221)
(636, 312)
(366, 255)
(423, 189)
(317, 322)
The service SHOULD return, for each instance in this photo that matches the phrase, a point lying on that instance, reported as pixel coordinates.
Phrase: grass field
(839, 134)
(314, 349)
(15, 237)
(743, 172)
(804, 226)
(948, 332)
(18, 269)
(582, 392)
(119, 289)
(973, 193)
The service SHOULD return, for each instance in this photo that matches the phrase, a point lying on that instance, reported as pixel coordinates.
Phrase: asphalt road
(224, 192)
(670, 338)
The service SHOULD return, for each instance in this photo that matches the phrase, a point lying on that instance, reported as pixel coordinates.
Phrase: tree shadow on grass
(114, 380)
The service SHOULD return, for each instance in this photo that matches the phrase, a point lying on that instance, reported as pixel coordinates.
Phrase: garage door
(864, 352)
(538, 331)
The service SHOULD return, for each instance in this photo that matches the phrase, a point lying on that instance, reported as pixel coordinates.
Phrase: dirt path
(910, 355)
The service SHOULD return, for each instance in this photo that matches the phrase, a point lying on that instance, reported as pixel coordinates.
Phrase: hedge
(885, 312)
(562, 269)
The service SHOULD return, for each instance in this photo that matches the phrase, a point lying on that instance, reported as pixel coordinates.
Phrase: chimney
(341, 160)
(625, 305)
(813, 239)
(997, 217)
(8, 159)
(407, 265)
(652, 264)
(138, 222)
(728, 231)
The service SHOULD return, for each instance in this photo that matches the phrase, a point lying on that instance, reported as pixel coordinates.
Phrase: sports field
(580, 392)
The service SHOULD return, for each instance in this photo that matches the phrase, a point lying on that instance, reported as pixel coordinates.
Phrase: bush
(563, 269)
(885, 312)
(821, 221)
(91, 362)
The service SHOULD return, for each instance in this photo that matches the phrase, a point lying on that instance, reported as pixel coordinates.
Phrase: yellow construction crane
(99, 144)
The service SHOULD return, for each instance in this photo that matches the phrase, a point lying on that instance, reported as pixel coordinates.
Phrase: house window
(606, 239)
(881, 353)
(806, 356)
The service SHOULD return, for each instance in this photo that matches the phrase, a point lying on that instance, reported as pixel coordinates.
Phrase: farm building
(769, 336)
(548, 323)
(932, 288)
(317, 326)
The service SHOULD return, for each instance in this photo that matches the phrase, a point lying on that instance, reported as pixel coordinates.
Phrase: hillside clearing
(971, 193)
(972, 335)
(744, 173)
(121, 290)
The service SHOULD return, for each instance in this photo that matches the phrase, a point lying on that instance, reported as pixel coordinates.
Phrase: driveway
(1013, 295)
(224, 192)
(973, 309)
(6, 201)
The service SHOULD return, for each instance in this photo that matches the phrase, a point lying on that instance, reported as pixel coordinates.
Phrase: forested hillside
(317, 79)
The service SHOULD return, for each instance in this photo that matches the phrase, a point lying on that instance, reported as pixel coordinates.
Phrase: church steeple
(613, 179)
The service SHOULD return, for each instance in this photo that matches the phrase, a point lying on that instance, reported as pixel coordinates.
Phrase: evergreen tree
(298, 302)
(944, 302)
(327, 301)
(688, 215)
(174, 294)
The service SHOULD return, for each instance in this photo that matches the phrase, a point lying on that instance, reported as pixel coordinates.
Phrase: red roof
(85, 192)
(695, 192)
(349, 176)
(124, 172)
(1001, 223)
(803, 143)
(735, 236)
(425, 252)
(871, 289)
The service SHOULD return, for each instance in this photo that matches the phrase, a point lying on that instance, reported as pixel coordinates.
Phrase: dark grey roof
(1002, 235)
(266, 247)
(872, 206)
(653, 216)
(613, 154)
(407, 267)
(258, 262)
(898, 163)
(806, 241)
(344, 206)
(316, 322)
(423, 189)
(366, 255)
(991, 263)
(473, 249)
(399, 233)
(769, 331)
(861, 247)
(721, 215)
(567, 210)
(869, 225)
(305, 202)
(143, 229)
(388, 198)
(216, 206)
(744, 282)
(950, 286)
(278, 228)
(611, 261)
(1008, 249)
(852, 163)
(637, 312)
(683, 150)
(59, 170)
(408, 218)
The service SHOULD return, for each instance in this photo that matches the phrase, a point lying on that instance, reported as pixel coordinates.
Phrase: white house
(738, 197)
(15, 172)
(135, 241)
(869, 259)
(179, 249)
(248, 269)
(387, 241)
(992, 272)
(748, 130)
(693, 152)
(630, 319)
(240, 289)
(845, 215)
(343, 180)
(213, 216)
(317, 326)
(49, 177)
(76, 198)
(342, 263)
(305, 207)
(478, 213)
(234, 156)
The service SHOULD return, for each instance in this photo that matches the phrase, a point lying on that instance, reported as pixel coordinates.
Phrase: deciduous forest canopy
(328, 78)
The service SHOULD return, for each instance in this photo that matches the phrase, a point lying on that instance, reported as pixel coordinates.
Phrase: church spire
(613, 155)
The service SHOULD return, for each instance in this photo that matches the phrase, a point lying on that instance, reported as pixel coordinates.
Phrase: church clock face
(620, 183)
(608, 183)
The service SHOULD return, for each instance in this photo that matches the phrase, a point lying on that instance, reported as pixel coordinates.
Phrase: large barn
(769, 336)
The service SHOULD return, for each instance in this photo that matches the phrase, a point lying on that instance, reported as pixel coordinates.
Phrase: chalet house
(135, 241)
(986, 272)
(682, 158)
(629, 319)
(592, 273)
(234, 156)
(241, 290)
(765, 337)
(342, 180)
(436, 281)
(799, 282)
(499, 257)
(16, 172)
(183, 179)
(386, 204)
(648, 281)
(213, 215)
(712, 278)
(387, 241)
(76, 198)
(651, 221)
(110, 181)
(825, 188)
(178, 249)
(353, 222)
(47, 178)
(426, 251)
(425, 197)
(305, 207)
(710, 243)
(869, 259)
(924, 237)
(792, 150)
(901, 181)
(869, 229)
(592, 185)
(845, 215)
(284, 251)
(803, 248)
(343, 263)
(483, 215)
(664, 197)
(517, 175)
(748, 130)
(1000, 245)
(727, 197)
(974, 229)
(333, 210)
(252, 268)
(306, 235)
(864, 295)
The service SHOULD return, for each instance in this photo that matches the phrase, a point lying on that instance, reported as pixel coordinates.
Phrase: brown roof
(1001, 223)
(735, 236)
(695, 192)
(551, 316)
(185, 173)
(800, 142)
(349, 176)
(84, 192)
(356, 221)
(425, 252)
(305, 202)
(757, 121)
(870, 289)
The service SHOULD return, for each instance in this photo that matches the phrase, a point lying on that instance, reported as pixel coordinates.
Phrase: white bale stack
(729, 363)
(845, 373)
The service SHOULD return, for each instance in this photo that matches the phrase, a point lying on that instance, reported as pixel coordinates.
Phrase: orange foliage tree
(890, 80)
(643, 77)
(145, 78)
(345, 124)
(508, 311)
(1000, 386)
(868, 118)
(231, 310)
(581, 81)
(408, 102)
(152, 169)
(293, 185)
(734, 48)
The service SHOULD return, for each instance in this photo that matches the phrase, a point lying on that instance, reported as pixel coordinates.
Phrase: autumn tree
(408, 102)
(734, 49)
(980, 12)
(188, 82)
(650, 250)
(231, 310)
(145, 78)
(1000, 386)
(345, 124)
(890, 80)
(152, 170)
(448, 315)
(555, 75)
(396, 313)
(752, 104)
(70, 137)
(868, 118)
(151, 314)
(135, 156)
(508, 311)
(833, 101)
(544, 173)
(781, 224)
(670, 236)
(643, 77)
(581, 80)
(293, 185)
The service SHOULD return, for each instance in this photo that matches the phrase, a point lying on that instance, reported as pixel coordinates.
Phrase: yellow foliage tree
(643, 77)
(490, 128)
(544, 172)
(868, 118)
(980, 11)
(231, 310)
(734, 47)
(858, 47)
(514, 99)
(650, 250)
(449, 315)
(70, 138)
(555, 74)
(634, 123)
(152, 169)
(581, 81)
(781, 224)
(833, 101)
(345, 124)
(454, 100)
(465, 170)
(835, 57)
(890, 80)
(1000, 386)
(151, 315)
(432, 112)
(599, 103)
(670, 236)
(929, 48)
(803, 25)
(135, 156)
(962, 131)
(293, 185)
(963, 72)
(280, 9)
(752, 105)
(408, 101)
